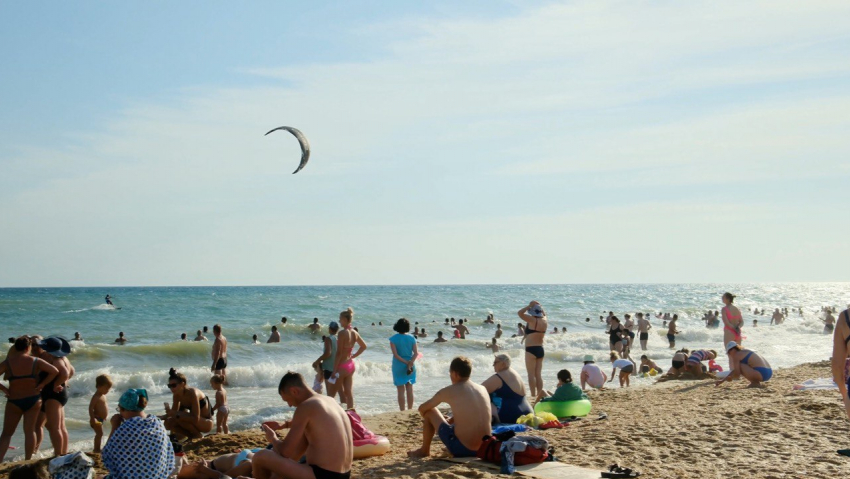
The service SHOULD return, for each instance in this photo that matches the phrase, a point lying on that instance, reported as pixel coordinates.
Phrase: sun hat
(55, 346)
(730, 345)
(130, 399)
(588, 358)
(536, 311)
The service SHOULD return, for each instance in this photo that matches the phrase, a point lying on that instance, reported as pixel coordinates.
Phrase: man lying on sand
(320, 431)
(470, 409)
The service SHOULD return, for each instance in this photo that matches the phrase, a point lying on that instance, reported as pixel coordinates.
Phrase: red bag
(489, 451)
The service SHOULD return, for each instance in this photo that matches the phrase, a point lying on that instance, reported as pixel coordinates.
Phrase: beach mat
(542, 470)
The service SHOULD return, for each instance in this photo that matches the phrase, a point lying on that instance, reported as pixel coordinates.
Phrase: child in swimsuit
(220, 408)
(99, 408)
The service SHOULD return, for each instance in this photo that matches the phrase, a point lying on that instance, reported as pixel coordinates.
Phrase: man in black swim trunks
(219, 353)
(320, 431)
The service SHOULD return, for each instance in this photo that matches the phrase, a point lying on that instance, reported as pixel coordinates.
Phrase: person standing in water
(344, 368)
(275, 336)
(55, 394)
(219, 354)
(404, 350)
(732, 320)
(328, 358)
(28, 375)
(535, 331)
(109, 300)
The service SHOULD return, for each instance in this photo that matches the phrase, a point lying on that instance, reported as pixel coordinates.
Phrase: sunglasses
(172, 385)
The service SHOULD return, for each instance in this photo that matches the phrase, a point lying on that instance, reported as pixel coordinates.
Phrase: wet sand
(678, 429)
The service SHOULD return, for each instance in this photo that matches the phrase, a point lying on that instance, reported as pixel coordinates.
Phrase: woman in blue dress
(404, 355)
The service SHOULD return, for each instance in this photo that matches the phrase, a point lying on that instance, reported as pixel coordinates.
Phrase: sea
(153, 318)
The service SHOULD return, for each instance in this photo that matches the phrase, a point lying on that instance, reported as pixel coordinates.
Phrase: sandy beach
(678, 429)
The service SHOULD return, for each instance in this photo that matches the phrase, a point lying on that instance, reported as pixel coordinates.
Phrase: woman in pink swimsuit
(344, 362)
(732, 320)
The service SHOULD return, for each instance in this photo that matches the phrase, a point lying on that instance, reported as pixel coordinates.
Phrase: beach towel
(812, 384)
(533, 449)
(500, 428)
(541, 470)
(491, 449)
(71, 466)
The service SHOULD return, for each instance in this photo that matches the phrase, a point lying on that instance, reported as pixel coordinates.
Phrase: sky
(452, 142)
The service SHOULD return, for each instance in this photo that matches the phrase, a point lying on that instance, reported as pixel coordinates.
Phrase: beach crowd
(38, 373)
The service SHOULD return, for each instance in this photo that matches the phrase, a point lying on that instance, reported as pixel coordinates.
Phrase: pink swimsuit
(729, 318)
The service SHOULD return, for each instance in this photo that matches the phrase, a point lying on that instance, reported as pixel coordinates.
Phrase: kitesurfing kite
(305, 145)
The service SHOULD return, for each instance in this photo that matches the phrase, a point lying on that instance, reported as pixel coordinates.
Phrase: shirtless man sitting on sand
(471, 410)
(320, 431)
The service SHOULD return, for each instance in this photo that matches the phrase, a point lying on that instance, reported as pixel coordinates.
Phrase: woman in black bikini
(189, 415)
(616, 334)
(535, 330)
(55, 394)
(24, 393)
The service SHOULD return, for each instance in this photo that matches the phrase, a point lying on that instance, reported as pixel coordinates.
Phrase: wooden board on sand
(543, 470)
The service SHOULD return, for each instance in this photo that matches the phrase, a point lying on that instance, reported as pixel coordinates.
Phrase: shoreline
(677, 429)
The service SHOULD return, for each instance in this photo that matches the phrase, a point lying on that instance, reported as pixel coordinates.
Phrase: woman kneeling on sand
(743, 362)
(190, 414)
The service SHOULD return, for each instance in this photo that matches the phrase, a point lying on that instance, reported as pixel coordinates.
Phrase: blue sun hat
(55, 346)
(536, 311)
(130, 399)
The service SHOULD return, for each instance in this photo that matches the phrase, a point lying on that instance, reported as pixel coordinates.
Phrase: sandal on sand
(615, 471)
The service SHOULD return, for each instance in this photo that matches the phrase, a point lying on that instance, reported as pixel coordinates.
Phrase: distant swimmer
(255, 340)
(315, 327)
(493, 346)
(422, 333)
(283, 321)
(79, 337)
(499, 331)
(275, 336)
(440, 338)
(121, 339)
(489, 319)
(109, 300)
(200, 337)
(777, 317)
(828, 323)
(183, 337)
(462, 329)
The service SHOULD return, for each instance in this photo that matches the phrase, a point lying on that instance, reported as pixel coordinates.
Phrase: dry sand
(673, 430)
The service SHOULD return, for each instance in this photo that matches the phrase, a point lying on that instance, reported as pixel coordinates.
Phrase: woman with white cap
(591, 374)
(746, 363)
(139, 447)
(535, 330)
(55, 395)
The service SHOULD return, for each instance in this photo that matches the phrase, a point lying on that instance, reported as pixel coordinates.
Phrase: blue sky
(513, 142)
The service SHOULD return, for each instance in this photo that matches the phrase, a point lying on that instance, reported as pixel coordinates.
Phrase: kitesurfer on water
(109, 300)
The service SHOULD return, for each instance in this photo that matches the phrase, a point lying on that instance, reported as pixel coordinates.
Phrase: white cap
(730, 345)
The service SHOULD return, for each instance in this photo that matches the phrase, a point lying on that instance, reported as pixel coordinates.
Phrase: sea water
(152, 320)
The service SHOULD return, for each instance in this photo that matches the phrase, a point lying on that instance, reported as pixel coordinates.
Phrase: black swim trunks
(644, 336)
(221, 364)
(325, 474)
